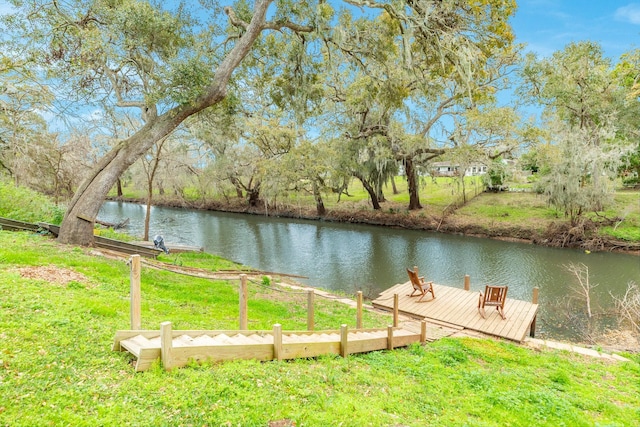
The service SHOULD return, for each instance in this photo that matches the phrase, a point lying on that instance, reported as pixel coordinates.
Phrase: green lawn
(519, 209)
(57, 367)
(626, 207)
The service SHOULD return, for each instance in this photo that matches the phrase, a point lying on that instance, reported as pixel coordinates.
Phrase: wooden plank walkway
(459, 307)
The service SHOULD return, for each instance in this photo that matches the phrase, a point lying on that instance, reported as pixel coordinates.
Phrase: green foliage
(110, 233)
(629, 233)
(588, 120)
(496, 177)
(23, 204)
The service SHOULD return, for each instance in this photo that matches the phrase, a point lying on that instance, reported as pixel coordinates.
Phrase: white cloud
(629, 13)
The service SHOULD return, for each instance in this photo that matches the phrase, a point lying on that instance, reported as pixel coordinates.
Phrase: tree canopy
(289, 95)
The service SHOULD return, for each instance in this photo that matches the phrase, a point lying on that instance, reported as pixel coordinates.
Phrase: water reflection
(350, 257)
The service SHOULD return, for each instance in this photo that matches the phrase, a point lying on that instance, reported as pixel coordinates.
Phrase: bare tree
(628, 306)
(583, 288)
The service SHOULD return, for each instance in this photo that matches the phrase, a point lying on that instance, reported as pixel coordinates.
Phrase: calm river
(352, 257)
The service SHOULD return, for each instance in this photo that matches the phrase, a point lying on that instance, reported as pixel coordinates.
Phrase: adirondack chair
(420, 287)
(494, 296)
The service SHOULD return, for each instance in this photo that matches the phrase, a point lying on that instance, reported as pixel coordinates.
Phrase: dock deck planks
(459, 307)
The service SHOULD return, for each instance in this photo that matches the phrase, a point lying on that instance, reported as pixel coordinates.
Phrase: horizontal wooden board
(458, 307)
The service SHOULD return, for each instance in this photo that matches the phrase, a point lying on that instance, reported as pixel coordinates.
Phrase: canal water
(349, 257)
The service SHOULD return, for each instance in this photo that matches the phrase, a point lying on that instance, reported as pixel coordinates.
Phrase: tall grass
(23, 204)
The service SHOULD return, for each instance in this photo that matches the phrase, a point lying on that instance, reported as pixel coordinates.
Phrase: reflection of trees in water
(575, 318)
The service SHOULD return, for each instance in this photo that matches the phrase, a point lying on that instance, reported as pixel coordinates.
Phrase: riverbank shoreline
(557, 234)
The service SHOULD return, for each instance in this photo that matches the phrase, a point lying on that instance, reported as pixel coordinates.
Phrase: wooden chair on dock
(420, 287)
(494, 296)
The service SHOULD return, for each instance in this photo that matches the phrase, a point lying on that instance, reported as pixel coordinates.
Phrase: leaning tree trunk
(372, 191)
(393, 185)
(77, 225)
(120, 194)
(147, 216)
(320, 209)
(412, 184)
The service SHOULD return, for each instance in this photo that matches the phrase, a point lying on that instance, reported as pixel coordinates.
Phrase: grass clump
(626, 211)
(61, 307)
(23, 204)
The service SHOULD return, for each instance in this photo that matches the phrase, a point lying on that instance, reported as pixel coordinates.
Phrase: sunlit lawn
(57, 367)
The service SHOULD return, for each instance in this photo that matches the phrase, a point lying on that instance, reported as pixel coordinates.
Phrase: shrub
(23, 204)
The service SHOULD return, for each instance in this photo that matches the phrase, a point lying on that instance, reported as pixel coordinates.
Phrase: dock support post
(310, 322)
(135, 292)
(423, 331)
(277, 342)
(344, 340)
(467, 282)
(534, 300)
(395, 310)
(389, 337)
(242, 294)
(166, 345)
(359, 310)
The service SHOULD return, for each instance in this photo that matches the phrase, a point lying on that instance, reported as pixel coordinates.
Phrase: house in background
(452, 169)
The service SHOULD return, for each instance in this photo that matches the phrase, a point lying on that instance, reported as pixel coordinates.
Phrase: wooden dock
(459, 307)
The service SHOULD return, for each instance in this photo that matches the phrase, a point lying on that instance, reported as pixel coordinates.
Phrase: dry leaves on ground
(52, 274)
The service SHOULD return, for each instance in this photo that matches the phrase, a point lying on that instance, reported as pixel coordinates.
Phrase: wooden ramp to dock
(111, 244)
(177, 348)
(459, 307)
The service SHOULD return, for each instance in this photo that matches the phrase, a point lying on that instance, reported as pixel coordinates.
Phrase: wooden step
(204, 340)
(222, 339)
(261, 339)
(182, 340)
(328, 337)
(367, 335)
(231, 345)
(243, 339)
(134, 345)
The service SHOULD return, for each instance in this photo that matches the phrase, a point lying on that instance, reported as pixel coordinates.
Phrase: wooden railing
(135, 297)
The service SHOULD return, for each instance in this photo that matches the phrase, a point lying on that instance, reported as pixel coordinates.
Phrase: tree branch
(268, 25)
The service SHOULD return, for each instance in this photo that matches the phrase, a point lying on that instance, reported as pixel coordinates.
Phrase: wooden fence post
(277, 341)
(389, 337)
(344, 340)
(534, 300)
(310, 315)
(395, 310)
(242, 292)
(166, 345)
(136, 319)
(359, 310)
(423, 331)
(467, 282)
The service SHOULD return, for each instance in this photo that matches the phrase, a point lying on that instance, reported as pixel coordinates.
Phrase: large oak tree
(169, 65)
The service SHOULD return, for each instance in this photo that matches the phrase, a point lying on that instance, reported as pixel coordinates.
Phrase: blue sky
(549, 25)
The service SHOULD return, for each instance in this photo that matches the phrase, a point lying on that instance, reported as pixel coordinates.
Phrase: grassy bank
(519, 214)
(61, 305)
